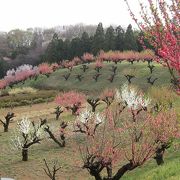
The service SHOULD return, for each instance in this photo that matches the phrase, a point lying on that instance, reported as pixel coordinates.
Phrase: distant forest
(34, 46)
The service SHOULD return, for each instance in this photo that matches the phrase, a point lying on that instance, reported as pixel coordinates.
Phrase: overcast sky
(49, 13)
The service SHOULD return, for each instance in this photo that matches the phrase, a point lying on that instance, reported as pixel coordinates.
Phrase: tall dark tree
(130, 40)
(98, 40)
(55, 50)
(75, 46)
(3, 67)
(109, 43)
(120, 35)
(85, 42)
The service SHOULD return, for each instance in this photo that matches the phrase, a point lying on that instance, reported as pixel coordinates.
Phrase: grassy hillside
(69, 157)
(88, 84)
(12, 166)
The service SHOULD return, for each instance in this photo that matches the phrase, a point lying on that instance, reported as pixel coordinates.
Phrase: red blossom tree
(161, 29)
(71, 101)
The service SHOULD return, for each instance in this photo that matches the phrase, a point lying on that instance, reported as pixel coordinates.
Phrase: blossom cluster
(132, 98)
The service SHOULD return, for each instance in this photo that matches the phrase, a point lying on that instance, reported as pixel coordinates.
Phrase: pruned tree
(79, 77)
(58, 140)
(94, 102)
(151, 81)
(28, 134)
(111, 78)
(8, 118)
(151, 68)
(96, 76)
(129, 74)
(129, 77)
(84, 67)
(51, 173)
(113, 69)
(66, 76)
(58, 111)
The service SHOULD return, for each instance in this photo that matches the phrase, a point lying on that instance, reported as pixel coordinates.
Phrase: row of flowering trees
(128, 131)
(26, 71)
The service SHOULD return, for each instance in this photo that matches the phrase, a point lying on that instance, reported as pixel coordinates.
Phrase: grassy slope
(56, 80)
(10, 161)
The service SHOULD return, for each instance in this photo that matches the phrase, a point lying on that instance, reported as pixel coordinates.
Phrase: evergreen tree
(55, 50)
(120, 35)
(85, 42)
(130, 40)
(75, 46)
(98, 40)
(109, 43)
(3, 68)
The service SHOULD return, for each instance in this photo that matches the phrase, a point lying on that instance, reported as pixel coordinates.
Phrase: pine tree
(98, 40)
(130, 40)
(85, 43)
(109, 43)
(120, 35)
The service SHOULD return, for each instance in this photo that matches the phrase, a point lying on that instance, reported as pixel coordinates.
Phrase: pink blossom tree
(71, 101)
(88, 58)
(161, 29)
(45, 68)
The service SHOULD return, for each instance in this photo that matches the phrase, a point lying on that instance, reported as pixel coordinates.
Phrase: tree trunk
(24, 154)
(97, 176)
(5, 128)
(159, 157)
(93, 108)
(123, 170)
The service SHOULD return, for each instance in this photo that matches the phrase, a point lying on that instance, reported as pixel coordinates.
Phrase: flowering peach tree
(161, 29)
(71, 101)
(126, 133)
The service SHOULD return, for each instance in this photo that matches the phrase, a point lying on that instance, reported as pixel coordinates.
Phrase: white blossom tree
(28, 133)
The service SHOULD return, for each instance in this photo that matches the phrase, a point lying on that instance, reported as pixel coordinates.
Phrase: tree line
(109, 39)
(35, 46)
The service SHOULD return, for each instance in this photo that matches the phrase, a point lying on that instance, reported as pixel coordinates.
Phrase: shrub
(24, 90)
